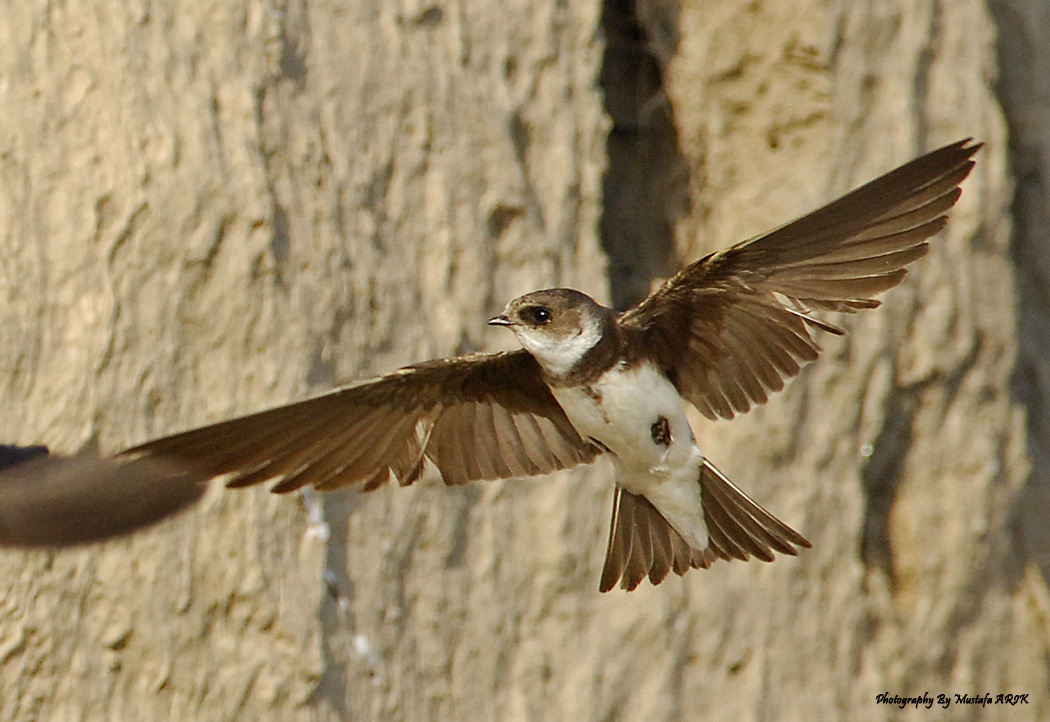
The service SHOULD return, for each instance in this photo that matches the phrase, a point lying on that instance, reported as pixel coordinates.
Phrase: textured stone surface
(209, 208)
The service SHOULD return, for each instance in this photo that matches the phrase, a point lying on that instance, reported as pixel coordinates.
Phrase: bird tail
(642, 543)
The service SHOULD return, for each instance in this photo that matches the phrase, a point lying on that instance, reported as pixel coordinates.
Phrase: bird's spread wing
(15, 455)
(53, 501)
(731, 327)
(487, 416)
(642, 543)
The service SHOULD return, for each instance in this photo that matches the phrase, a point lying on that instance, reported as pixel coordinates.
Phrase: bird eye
(540, 316)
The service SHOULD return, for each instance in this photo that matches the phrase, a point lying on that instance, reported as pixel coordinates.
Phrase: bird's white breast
(620, 409)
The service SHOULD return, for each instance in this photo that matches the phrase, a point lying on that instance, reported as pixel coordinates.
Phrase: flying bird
(57, 501)
(721, 335)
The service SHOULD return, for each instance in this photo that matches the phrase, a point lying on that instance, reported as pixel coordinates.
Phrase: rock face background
(208, 208)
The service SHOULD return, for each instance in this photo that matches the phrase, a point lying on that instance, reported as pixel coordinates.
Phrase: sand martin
(721, 335)
(55, 501)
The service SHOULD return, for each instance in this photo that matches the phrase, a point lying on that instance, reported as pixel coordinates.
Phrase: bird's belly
(637, 414)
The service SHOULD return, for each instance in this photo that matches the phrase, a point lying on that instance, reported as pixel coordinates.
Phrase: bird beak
(500, 320)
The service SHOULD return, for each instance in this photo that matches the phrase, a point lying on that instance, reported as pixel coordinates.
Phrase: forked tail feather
(642, 543)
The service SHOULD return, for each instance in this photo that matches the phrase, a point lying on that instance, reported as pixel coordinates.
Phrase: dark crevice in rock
(645, 173)
(1024, 63)
(882, 477)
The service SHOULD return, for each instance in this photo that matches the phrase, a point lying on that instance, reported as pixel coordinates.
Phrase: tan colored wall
(210, 208)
